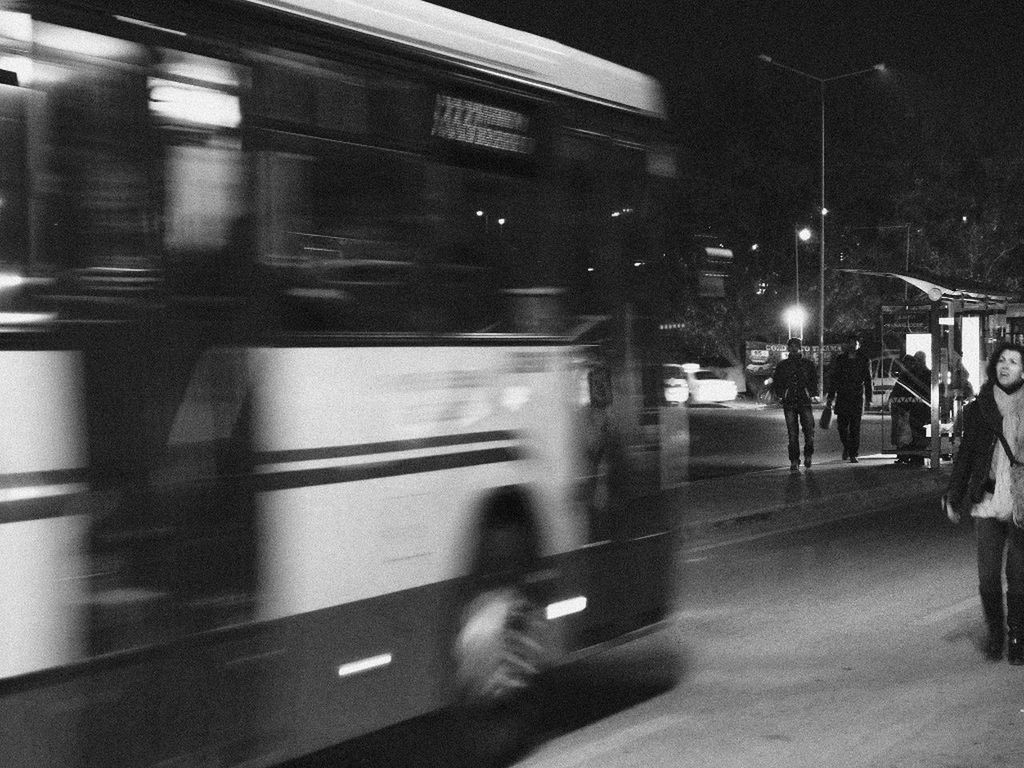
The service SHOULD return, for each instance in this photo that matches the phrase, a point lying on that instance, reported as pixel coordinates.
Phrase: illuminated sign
(481, 125)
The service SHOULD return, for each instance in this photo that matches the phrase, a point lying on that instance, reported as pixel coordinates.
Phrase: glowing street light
(795, 317)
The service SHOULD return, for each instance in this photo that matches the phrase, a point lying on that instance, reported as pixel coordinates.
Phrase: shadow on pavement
(570, 698)
(596, 688)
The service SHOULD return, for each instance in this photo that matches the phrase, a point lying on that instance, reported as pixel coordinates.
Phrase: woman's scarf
(1011, 408)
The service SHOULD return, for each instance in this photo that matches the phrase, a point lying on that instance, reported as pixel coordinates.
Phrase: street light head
(795, 314)
(765, 58)
(880, 67)
(804, 234)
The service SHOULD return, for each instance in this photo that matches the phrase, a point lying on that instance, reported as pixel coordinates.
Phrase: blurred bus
(323, 391)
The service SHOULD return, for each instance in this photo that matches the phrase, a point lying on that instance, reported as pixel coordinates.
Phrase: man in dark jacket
(794, 383)
(849, 385)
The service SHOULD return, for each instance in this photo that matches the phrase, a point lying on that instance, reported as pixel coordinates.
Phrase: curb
(793, 502)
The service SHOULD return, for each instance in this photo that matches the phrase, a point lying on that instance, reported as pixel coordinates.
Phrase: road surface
(726, 440)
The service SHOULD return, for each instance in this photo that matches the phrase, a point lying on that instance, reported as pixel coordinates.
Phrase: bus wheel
(500, 652)
(501, 646)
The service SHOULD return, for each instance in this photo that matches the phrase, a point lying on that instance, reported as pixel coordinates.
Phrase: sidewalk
(735, 507)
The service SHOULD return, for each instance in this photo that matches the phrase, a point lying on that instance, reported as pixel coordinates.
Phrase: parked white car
(676, 386)
(706, 386)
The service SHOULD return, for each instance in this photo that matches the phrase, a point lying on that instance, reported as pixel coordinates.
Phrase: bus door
(621, 446)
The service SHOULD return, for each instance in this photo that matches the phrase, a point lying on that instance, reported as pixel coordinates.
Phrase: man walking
(794, 383)
(849, 385)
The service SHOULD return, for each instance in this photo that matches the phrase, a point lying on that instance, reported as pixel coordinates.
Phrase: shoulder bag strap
(1006, 447)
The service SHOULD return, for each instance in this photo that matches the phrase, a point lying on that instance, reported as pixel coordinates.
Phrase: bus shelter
(957, 325)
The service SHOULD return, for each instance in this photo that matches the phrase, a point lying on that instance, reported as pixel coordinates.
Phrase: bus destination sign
(482, 125)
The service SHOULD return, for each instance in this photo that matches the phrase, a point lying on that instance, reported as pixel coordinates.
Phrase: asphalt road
(849, 645)
(852, 644)
(726, 440)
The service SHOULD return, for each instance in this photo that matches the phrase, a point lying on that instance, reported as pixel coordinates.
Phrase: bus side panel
(627, 585)
(42, 551)
(41, 595)
(374, 466)
(41, 405)
(374, 463)
(41, 537)
(357, 667)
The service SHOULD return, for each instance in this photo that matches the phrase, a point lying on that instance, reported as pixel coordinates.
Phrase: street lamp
(794, 317)
(821, 81)
(798, 235)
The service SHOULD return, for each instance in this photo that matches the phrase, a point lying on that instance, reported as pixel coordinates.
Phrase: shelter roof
(939, 288)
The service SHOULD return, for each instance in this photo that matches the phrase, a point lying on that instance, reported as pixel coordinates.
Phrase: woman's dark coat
(982, 425)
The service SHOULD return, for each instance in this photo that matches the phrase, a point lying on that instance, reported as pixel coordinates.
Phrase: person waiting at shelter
(910, 408)
(979, 487)
(849, 385)
(794, 383)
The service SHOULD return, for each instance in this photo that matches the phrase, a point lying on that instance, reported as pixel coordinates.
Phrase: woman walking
(979, 486)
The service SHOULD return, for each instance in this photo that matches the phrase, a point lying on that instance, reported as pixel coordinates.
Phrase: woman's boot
(1015, 622)
(992, 604)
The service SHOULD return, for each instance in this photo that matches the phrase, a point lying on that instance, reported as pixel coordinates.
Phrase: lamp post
(798, 235)
(821, 81)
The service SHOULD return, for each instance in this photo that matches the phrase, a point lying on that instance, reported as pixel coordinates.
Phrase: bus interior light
(568, 607)
(27, 318)
(364, 665)
(193, 105)
(10, 280)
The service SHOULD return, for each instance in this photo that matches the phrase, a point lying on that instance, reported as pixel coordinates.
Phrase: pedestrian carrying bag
(1016, 483)
(826, 417)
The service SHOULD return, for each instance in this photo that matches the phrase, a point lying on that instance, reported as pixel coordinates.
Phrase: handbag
(1016, 483)
(826, 417)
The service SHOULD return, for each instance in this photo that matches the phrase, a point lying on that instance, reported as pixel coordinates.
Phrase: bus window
(13, 177)
(601, 208)
(340, 237)
(98, 191)
(363, 239)
(195, 103)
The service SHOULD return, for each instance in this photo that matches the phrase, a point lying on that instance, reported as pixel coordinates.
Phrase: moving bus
(323, 383)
